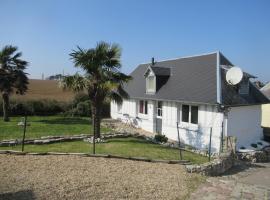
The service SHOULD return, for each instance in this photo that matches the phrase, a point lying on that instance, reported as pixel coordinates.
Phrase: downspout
(220, 106)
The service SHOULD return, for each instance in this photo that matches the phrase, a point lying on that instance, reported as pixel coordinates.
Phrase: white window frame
(180, 108)
(148, 90)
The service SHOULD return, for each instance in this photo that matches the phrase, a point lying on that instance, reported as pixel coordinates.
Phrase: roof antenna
(153, 61)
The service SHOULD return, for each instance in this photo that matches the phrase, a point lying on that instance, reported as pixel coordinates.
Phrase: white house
(193, 92)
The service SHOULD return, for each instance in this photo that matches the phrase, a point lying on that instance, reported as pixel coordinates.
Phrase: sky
(46, 31)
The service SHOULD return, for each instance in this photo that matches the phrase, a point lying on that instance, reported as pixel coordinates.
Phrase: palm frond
(76, 83)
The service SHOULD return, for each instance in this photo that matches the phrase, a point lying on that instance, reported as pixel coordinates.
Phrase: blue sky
(46, 31)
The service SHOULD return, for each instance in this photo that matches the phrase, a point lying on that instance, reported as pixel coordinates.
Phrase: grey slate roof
(161, 71)
(192, 79)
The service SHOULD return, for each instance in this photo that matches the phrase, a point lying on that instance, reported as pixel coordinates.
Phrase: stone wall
(214, 168)
(55, 139)
(255, 156)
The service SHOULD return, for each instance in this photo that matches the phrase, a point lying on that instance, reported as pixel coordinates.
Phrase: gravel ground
(74, 177)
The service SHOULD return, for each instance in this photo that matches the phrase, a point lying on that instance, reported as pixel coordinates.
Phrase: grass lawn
(118, 146)
(46, 126)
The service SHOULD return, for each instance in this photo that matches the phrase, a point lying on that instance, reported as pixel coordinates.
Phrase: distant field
(45, 89)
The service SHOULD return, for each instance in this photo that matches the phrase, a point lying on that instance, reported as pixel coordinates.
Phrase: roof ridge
(196, 55)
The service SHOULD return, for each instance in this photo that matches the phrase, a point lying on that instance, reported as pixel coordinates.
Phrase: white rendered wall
(244, 122)
(196, 135)
(131, 107)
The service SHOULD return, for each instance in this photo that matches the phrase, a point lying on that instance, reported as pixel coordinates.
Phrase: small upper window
(159, 109)
(143, 107)
(190, 114)
(150, 84)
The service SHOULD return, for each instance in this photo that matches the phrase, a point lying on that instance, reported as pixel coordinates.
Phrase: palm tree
(102, 79)
(12, 76)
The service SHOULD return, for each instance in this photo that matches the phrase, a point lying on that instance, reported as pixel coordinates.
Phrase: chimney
(153, 61)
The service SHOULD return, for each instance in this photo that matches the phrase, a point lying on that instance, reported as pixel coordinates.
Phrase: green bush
(161, 138)
(81, 106)
(36, 107)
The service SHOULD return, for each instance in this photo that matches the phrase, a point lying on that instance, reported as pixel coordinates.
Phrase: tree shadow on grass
(20, 195)
(66, 121)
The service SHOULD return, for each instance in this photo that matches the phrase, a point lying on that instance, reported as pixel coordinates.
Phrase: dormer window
(155, 78)
(151, 84)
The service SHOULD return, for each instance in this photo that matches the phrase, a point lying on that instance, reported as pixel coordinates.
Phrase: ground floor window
(119, 107)
(143, 107)
(190, 114)
(159, 109)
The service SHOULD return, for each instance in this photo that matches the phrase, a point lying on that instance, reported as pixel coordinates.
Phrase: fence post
(24, 130)
(179, 142)
(210, 144)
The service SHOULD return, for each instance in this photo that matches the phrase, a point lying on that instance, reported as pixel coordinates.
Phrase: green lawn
(46, 126)
(118, 146)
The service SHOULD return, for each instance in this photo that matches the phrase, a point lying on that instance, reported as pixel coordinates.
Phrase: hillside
(45, 89)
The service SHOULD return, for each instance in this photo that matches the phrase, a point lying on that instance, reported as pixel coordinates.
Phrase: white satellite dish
(234, 75)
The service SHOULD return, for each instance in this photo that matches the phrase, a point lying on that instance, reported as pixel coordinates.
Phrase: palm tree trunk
(94, 127)
(98, 120)
(5, 106)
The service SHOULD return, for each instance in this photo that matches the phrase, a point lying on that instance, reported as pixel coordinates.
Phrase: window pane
(151, 83)
(185, 113)
(194, 114)
(141, 107)
(160, 104)
(145, 107)
(159, 109)
(119, 107)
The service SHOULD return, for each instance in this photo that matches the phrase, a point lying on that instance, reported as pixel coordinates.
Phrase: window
(194, 114)
(119, 107)
(190, 114)
(150, 84)
(159, 109)
(143, 107)
(185, 113)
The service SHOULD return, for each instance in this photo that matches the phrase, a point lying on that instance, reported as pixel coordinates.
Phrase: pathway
(242, 182)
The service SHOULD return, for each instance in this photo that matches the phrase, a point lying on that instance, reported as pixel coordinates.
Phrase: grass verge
(46, 126)
(130, 147)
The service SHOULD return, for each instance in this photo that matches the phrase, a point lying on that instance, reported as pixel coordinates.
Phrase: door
(159, 117)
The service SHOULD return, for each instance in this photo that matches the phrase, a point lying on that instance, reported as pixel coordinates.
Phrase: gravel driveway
(74, 177)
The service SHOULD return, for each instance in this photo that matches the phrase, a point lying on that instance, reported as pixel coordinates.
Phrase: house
(266, 107)
(192, 91)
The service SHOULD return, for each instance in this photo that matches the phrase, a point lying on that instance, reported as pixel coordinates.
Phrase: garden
(52, 112)
(42, 126)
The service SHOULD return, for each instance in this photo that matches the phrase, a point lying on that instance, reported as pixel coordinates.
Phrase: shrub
(36, 107)
(259, 143)
(242, 147)
(81, 106)
(80, 97)
(161, 138)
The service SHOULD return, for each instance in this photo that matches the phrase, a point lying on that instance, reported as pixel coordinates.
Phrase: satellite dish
(234, 75)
